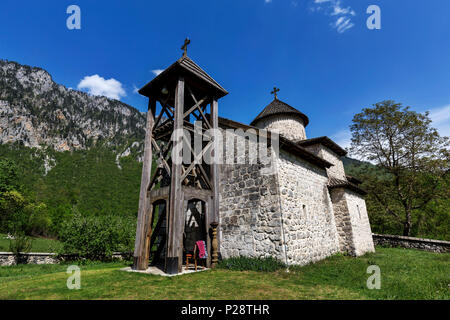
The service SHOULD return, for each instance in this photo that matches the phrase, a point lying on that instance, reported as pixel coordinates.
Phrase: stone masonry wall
(343, 222)
(335, 171)
(250, 215)
(9, 259)
(309, 225)
(289, 127)
(438, 246)
(362, 234)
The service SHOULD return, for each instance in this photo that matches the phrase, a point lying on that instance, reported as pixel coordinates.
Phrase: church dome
(280, 116)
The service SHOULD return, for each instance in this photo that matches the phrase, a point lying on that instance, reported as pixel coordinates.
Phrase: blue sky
(320, 53)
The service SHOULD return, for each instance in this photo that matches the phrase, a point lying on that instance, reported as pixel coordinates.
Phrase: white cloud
(99, 86)
(338, 10)
(135, 89)
(343, 138)
(441, 120)
(342, 24)
(333, 8)
(156, 72)
(267, 1)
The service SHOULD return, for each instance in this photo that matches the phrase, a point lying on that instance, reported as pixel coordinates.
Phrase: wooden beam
(174, 259)
(155, 233)
(214, 167)
(140, 257)
(199, 109)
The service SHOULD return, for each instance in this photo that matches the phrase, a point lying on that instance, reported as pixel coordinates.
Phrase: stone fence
(9, 259)
(439, 246)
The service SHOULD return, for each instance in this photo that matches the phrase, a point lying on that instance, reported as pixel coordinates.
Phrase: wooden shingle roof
(285, 144)
(325, 141)
(279, 107)
(338, 183)
(186, 65)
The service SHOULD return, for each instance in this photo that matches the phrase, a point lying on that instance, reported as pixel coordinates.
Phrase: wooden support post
(174, 259)
(140, 257)
(215, 247)
(215, 168)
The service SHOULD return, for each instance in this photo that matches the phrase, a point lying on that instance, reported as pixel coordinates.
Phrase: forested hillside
(432, 221)
(64, 152)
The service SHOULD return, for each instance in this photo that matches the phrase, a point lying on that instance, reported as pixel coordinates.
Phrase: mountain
(36, 111)
(349, 162)
(74, 152)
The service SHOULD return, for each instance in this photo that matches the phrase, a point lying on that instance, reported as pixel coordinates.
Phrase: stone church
(305, 210)
(295, 203)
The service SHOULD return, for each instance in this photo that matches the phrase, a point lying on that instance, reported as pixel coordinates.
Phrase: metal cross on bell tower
(184, 47)
(182, 99)
(274, 92)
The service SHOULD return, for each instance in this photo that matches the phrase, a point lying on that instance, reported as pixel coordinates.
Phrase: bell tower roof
(278, 107)
(183, 66)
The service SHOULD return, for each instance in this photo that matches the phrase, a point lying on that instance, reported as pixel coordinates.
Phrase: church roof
(184, 64)
(353, 179)
(338, 183)
(327, 142)
(279, 107)
(285, 144)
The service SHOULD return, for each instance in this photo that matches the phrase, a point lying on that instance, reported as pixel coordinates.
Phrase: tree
(413, 157)
(8, 175)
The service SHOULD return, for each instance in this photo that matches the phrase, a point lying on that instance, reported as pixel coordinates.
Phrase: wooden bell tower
(183, 94)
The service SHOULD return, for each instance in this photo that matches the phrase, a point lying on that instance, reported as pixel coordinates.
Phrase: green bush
(97, 237)
(268, 264)
(20, 244)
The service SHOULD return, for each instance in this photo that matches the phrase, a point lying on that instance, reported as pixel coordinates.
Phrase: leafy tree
(12, 218)
(19, 215)
(20, 244)
(413, 158)
(8, 175)
(97, 237)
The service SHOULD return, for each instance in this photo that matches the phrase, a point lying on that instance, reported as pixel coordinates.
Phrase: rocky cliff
(36, 112)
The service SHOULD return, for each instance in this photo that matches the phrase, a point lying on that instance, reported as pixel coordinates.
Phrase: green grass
(38, 244)
(405, 274)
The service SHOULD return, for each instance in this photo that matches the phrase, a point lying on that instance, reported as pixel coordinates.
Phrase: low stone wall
(439, 246)
(9, 259)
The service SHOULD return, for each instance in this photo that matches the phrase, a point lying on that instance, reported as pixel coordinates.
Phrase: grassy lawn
(405, 274)
(38, 244)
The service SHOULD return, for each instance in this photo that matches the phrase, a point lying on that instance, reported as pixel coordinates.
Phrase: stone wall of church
(343, 221)
(362, 233)
(309, 227)
(352, 222)
(289, 127)
(337, 170)
(250, 214)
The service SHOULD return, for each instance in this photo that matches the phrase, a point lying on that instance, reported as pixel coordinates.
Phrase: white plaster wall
(290, 127)
(310, 235)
